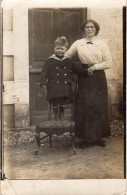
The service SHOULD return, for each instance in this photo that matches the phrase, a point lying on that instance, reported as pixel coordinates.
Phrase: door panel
(42, 35)
(72, 23)
(57, 23)
(37, 95)
(45, 25)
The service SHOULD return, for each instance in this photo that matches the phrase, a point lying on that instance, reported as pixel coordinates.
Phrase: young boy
(57, 77)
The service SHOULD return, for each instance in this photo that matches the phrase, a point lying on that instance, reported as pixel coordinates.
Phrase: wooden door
(45, 25)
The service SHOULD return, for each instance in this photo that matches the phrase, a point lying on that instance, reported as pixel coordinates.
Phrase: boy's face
(60, 50)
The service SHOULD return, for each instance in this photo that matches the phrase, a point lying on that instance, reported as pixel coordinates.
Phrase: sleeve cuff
(96, 66)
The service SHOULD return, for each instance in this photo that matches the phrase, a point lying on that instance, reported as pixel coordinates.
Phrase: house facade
(29, 29)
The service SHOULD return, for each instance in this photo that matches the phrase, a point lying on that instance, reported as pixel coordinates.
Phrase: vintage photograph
(63, 102)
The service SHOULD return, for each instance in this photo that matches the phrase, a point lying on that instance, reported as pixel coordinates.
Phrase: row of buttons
(58, 67)
(64, 82)
(59, 74)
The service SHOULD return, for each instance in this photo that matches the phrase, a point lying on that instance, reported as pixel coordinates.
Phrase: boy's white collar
(55, 57)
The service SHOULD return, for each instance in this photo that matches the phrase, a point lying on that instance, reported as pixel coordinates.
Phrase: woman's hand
(91, 70)
(42, 86)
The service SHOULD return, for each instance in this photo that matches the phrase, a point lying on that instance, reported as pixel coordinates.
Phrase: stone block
(21, 92)
(8, 20)
(8, 115)
(119, 26)
(116, 50)
(8, 44)
(16, 92)
(9, 92)
(110, 75)
(115, 44)
(7, 5)
(115, 72)
(104, 12)
(8, 68)
(21, 68)
(21, 48)
(114, 16)
(116, 111)
(22, 115)
(115, 91)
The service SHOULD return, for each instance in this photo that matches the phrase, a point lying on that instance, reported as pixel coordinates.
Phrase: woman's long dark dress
(91, 105)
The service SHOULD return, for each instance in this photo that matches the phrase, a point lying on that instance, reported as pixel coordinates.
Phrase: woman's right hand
(91, 70)
(90, 73)
(42, 86)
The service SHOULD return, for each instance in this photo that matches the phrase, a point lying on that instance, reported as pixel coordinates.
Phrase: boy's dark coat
(58, 78)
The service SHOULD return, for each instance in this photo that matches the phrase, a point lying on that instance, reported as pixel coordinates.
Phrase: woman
(91, 103)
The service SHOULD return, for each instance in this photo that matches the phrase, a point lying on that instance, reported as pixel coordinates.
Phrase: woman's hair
(95, 24)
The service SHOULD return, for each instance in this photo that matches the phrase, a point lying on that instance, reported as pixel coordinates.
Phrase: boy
(57, 77)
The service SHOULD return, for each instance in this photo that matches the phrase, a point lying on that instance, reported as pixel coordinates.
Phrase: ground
(58, 162)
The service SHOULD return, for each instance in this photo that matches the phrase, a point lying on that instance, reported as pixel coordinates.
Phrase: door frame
(37, 70)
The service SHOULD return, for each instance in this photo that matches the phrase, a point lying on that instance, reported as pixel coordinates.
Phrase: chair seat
(51, 127)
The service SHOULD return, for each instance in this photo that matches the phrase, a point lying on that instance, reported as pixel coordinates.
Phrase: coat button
(65, 74)
(58, 74)
(64, 67)
(65, 82)
(57, 67)
(57, 81)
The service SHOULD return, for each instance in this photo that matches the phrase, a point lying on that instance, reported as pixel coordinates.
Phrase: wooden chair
(51, 127)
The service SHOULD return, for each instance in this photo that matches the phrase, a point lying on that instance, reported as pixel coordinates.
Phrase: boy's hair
(61, 41)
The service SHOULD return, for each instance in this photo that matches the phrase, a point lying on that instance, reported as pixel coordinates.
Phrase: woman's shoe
(101, 142)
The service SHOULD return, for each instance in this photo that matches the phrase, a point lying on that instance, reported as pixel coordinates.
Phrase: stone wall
(16, 58)
(15, 68)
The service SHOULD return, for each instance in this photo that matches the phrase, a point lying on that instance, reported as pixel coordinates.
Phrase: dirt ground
(58, 162)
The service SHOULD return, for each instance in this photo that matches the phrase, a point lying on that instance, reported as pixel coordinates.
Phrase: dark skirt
(91, 108)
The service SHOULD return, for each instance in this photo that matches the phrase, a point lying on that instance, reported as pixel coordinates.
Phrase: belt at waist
(87, 65)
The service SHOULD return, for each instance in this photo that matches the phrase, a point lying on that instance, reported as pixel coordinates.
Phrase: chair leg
(55, 111)
(73, 143)
(38, 143)
(50, 141)
(61, 112)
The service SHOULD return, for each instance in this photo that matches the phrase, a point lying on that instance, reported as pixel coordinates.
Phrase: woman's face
(90, 29)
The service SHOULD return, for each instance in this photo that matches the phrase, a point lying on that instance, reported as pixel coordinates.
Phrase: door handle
(30, 66)
(3, 89)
